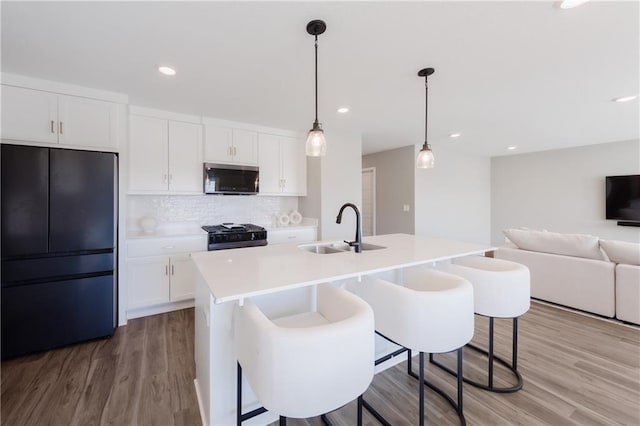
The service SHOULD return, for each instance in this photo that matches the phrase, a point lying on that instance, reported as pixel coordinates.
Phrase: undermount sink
(337, 247)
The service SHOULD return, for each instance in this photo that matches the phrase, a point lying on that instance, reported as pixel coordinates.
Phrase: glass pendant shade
(316, 143)
(425, 158)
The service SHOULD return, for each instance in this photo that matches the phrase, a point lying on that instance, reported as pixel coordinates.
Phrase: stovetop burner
(235, 235)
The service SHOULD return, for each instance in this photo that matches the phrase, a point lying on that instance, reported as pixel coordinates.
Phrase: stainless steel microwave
(230, 179)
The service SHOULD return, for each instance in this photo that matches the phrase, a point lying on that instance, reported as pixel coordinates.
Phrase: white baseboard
(159, 309)
(203, 417)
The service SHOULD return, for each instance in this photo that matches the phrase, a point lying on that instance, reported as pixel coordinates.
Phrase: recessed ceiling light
(167, 70)
(570, 4)
(511, 148)
(455, 135)
(625, 98)
(343, 110)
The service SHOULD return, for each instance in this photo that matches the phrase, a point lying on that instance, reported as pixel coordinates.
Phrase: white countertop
(254, 271)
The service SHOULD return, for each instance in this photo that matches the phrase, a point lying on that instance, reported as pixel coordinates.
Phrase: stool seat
(501, 288)
(428, 311)
(308, 364)
(431, 312)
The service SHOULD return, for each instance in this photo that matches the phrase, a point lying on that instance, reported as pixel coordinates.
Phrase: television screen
(623, 197)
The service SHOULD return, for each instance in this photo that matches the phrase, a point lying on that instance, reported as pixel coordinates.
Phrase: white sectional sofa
(579, 271)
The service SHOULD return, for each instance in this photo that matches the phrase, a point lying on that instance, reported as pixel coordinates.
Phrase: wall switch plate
(406, 208)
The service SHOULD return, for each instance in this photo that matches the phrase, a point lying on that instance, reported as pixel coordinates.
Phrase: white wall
(561, 190)
(395, 181)
(334, 180)
(452, 200)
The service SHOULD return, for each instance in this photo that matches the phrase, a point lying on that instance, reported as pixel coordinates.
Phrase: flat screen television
(623, 198)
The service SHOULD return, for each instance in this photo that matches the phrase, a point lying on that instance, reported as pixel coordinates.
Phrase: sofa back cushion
(578, 245)
(622, 251)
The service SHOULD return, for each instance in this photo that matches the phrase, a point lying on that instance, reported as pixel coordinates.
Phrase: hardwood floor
(143, 375)
(577, 370)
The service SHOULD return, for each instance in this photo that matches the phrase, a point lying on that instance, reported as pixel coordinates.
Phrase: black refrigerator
(58, 247)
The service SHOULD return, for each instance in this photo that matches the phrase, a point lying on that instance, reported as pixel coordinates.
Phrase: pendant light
(316, 143)
(425, 158)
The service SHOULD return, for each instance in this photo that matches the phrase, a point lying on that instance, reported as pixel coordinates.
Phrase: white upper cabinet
(148, 154)
(165, 156)
(269, 164)
(37, 116)
(228, 145)
(283, 165)
(29, 115)
(185, 157)
(294, 166)
(88, 122)
(245, 147)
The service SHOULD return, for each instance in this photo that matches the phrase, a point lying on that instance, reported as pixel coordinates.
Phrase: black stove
(235, 235)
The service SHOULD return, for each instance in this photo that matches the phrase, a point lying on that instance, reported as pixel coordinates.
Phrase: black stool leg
(421, 374)
(490, 352)
(514, 349)
(409, 370)
(360, 410)
(283, 421)
(239, 397)
(460, 381)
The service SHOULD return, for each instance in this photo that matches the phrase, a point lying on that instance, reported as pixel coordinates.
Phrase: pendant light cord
(426, 108)
(316, 44)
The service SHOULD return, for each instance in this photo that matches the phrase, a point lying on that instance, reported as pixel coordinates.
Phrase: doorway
(368, 201)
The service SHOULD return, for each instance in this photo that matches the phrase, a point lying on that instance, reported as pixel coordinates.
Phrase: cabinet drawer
(163, 246)
(280, 236)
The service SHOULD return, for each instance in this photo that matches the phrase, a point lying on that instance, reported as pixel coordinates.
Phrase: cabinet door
(294, 166)
(183, 278)
(185, 157)
(269, 164)
(148, 149)
(29, 115)
(217, 145)
(87, 122)
(24, 198)
(245, 147)
(148, 281)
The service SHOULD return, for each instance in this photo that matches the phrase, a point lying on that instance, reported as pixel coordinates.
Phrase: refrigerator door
(82, 204)
(50, 314)
(24, 198)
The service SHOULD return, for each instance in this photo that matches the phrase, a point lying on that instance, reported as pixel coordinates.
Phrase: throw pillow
(578, 245)
(622, 251)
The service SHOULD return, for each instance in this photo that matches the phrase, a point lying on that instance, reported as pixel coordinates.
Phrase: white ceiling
(507, 73)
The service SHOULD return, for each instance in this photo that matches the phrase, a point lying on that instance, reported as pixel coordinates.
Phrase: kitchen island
(281, 280)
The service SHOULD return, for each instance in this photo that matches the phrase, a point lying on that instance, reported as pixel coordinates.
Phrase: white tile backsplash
(208, 209)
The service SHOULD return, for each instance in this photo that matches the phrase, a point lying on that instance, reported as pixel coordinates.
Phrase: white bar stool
(431, 311)
(501, 290)
(308, 364)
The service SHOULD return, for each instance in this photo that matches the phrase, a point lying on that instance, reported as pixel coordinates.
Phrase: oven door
(230, 179)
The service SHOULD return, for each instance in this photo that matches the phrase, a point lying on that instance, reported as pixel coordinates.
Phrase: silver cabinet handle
(164, 178)
(235, 151)
(52, 124)
(166, 270)
(173, 271)
(229, 151)
(61, 128)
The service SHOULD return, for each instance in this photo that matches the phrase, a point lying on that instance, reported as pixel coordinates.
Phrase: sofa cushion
(577, 245)
(622, 251)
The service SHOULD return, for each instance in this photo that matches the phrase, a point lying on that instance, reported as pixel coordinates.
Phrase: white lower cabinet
(182, 282)
(148, 279)
(161, 272)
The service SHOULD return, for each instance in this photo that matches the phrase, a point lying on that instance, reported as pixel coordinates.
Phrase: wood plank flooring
(143, 375)
(577, 370)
